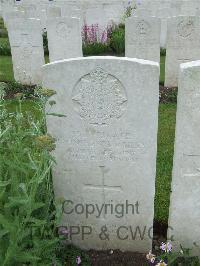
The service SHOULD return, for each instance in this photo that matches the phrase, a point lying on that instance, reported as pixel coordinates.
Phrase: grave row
(65, 41)
(104, 12)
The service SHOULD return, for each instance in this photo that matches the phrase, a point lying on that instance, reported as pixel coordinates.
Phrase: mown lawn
(4, 41)
(162, 69)
(166, 133)
(6, 70)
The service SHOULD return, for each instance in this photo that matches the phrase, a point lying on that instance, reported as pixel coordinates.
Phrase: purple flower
(94, 34)
(78, 260)
(166, 247)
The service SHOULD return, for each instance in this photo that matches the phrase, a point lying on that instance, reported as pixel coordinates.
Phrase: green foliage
(96, 49)
(6, 68)
(182, 258)
(45, 43)
(15, 89)
(168, 95)
(128, 11)
(28, 217)
(163, 52)
(70, 254)
(5, 46)
(162, 70)
(3, 33)
(3, 30)
(166, 134)
(117, 42)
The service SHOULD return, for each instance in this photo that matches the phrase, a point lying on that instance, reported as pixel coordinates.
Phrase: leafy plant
(163, 52)
(29, 216)
(129, 9)
(117, 42)
(96, 49)
(45, 43)
(13, 89)
(3, 30)
(5, 47)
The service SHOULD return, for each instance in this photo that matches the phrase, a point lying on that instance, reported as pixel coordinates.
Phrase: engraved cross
(194, 174)
(197, 169)
(184, 60)
(103, 187)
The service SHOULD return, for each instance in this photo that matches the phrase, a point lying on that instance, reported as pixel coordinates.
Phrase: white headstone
(64, 38)
(163, 14)
(53, 11)
(142, 12)
(103, 152)
(143, 38)
(176, 7)
(189, 7)
(184, 220)
(13, 14)
(183, 39)
(29, 9)
(27, 49)
(6, 6)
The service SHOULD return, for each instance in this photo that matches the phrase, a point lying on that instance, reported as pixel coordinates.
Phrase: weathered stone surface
(143, 38)
(31, 10)
(104, 154)
(189, 7)
(13, 14)
(183, 39)
(163, 14)
(185, 198)
(53, 11)
(142, 12)
(64, 38)
(27, 49)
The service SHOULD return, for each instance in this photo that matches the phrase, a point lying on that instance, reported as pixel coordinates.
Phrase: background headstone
(13, 14)
(103, 152)
(143, 38)
(183, 39)
(53, 11)
(64, 38)
(27, 49)
(142, 12)
(184, 220)
(163, 14)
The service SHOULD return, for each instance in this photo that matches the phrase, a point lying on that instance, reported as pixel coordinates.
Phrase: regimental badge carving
(185, 28)
(99, 97)
(143, 28)
(63, 30)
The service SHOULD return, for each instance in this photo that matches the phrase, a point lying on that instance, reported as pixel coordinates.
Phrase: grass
(4, 40)
(166, 132)
(162, 69)
(6, 69)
